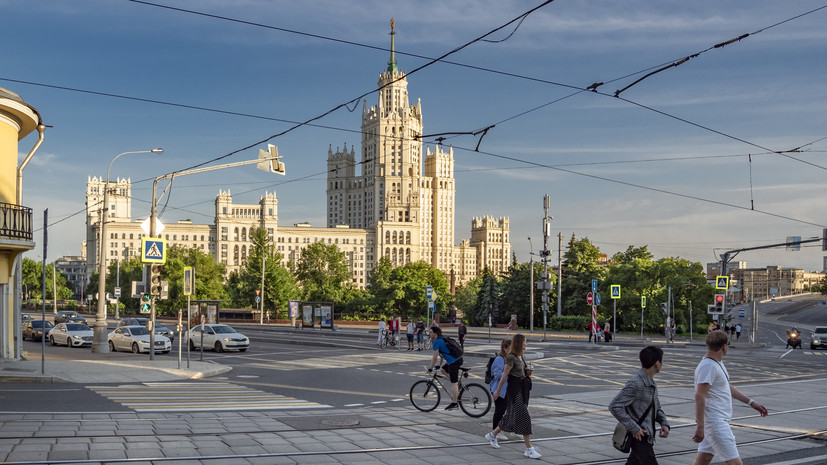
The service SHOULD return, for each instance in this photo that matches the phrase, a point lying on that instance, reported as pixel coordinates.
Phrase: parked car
(78, 319)
(25, 317)
(159, 328)
(34, 329)
(218, 337)
(818, 339)
(136, 339)
(71, 334)
(63, 316)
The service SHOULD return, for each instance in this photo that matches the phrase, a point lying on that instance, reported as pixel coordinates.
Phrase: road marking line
(818, 459)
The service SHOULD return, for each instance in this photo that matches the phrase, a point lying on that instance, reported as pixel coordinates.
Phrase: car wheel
(812, 346)
(219, 347)
(112, 347)
(52, 340)
(135, 348)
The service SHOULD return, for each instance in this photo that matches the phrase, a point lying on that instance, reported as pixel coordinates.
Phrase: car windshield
(223, 329)
(39, 323)
(821, 330)
(77, 327)
(139, 331)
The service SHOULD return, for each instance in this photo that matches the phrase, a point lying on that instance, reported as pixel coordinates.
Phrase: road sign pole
(614, 317)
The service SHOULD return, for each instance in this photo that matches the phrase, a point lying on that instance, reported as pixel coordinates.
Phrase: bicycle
(474, 398)
(427, 339)
(388, 339)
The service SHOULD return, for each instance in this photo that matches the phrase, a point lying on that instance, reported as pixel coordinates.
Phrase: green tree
(209, 279)
(515, 294)
(279, 283)
(323, 273)
(466, 297)
(32, 277)
(487, 299)
(402, 290)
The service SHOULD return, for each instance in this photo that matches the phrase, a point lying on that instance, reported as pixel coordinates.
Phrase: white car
(71, 335)
(136, 339)
(218, 337)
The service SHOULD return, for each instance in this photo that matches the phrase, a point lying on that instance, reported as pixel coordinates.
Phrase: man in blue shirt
(451, 366)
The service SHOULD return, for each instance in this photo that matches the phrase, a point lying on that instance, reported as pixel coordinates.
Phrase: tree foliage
(209, 279)
(323, 273)
(401, 291)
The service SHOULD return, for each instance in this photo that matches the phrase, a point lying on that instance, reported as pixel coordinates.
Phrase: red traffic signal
(719, 302)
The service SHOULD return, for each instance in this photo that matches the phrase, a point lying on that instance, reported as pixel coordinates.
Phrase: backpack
(454, 348)
(488, 376)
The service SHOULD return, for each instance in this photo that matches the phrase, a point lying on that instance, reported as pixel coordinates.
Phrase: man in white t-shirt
(713, 404)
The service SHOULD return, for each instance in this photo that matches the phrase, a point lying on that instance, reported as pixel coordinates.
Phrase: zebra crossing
(344, 361)
(198, 397)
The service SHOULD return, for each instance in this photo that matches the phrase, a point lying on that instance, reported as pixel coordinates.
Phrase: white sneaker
(492, 440)
(502, 436)
(531, 453)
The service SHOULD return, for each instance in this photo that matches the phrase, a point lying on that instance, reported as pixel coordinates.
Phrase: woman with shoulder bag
(516, 418)
(497, 368)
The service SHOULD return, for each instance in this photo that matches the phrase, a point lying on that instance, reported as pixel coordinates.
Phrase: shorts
(410, 338)
(453, 370)
(719, 441)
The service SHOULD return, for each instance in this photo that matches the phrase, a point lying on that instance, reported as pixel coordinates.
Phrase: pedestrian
(410, 334)
(593, 329)
(672, 330)
(711, 327)
(732, 331)
(497, 368)
(516, 418)
(713, 404)
(637, 407)
(381, 332)
(738, 331)
(420, 334)
(394, 328)
(607, 332)
(462, 331)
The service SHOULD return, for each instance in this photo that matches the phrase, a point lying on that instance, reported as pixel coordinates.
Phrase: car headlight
(817, 340)
(77, 338)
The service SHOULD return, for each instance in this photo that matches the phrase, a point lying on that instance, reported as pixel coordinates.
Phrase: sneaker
(531, 453)
(452, 406)
(502, 436)
(492, 440)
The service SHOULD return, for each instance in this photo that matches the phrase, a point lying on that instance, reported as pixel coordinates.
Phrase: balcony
(15, 222)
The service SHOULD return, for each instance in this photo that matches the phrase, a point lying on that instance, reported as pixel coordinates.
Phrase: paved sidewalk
(105, 369)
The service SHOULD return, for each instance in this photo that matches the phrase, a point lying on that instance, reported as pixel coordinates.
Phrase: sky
(684, 162)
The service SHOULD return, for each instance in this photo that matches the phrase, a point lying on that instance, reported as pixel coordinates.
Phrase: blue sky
(666, 166)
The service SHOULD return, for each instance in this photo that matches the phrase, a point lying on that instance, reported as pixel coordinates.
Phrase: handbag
(622, 438)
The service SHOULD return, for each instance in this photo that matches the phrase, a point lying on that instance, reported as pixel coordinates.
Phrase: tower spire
(392, 62)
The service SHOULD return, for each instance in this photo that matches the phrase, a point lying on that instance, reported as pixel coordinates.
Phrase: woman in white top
(381, 332)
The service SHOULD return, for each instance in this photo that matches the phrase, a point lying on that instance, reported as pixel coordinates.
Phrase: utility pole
(531, 290)
(545, 254)
(118, 284)
(263, 259)
(559, 274)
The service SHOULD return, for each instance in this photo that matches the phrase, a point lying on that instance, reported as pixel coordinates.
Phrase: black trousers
(499, 410)
(642, 453)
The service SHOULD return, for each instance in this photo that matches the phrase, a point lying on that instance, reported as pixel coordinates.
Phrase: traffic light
(146, 303)
(663, 308)
(155, 279)
(719, 303)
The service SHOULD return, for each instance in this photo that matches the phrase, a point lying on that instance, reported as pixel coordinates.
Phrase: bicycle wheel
(474, 399)
(384, 342)
(428, 343)
(425, 395)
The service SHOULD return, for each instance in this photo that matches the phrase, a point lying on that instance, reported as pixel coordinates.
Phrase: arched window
(408, 238)
(131, 236)
(235, 238)
(394, 237)
(387, 237)
(244, 234)
(408, 255)
(235, 255)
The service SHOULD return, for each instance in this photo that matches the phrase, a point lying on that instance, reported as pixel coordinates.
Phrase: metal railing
(15, 222)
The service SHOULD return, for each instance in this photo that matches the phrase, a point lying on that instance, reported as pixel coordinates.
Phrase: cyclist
(451, 366)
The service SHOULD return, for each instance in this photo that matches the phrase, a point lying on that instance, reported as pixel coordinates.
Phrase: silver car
(818, 339)
(136, 339)
(71, 335)
(218, 337)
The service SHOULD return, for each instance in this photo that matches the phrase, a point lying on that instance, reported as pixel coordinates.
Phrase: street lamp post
(531, 287)
(99, 343)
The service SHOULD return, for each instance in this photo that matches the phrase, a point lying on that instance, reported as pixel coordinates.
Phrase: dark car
(63, 317)
(159, 328)
(78, 319)
(34, 329)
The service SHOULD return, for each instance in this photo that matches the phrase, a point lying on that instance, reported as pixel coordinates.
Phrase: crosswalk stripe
(345, 361)
(195, 397)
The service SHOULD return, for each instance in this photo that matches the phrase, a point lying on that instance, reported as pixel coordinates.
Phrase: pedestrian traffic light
(719, 303)
(664, 308)
(146, 303)
(155, 279)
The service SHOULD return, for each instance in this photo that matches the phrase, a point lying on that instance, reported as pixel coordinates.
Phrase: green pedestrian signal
(146, 303)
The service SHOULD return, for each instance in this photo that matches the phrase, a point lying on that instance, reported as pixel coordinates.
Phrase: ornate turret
(392, 62)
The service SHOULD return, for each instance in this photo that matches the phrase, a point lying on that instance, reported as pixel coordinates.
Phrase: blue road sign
(597, 299)
(594, 285)
(615, 291)
(153, 250)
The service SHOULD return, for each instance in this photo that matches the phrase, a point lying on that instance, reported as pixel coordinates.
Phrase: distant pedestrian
(637, 406)
(593, 329)
(516, 418)
(420, 334)
(738, 331)
(732, 331)
(410, 334)
(462, 331)
(672, 330)
(497, 368)
(607, 332)
(713, 405)
(381, 332)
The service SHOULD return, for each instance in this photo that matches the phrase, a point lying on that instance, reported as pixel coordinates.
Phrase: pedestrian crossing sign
(153, 250)
(615, 291)
(722, 282)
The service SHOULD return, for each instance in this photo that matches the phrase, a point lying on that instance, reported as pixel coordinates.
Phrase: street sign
(258, 293)
(589, 298)
(597, 299)
(742, 313)
(615, 291)
(258, 299)
(117, 292)
(158, 226)
(431, 306)
(722, 282)
(153, 250)
(429, 290)
(189, 279)
(294, 308)
(643, 301)
(594, 285)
